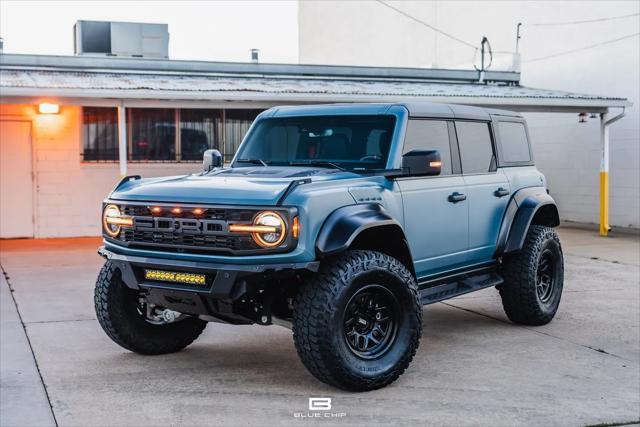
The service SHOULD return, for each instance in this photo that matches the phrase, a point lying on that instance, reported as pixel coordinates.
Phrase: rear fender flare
(520, 212)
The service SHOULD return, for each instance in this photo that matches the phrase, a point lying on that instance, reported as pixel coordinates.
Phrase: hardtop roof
(415, 109)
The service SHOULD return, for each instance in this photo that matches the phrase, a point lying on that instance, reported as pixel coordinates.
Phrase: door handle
(501, 192)
(456, 197)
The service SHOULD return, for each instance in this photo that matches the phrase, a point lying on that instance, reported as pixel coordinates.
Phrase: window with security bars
(100, 134)
(236, 125)
(199, 130)
(152, 136)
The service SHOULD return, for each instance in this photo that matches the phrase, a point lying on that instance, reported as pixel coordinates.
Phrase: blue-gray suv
(340, 222)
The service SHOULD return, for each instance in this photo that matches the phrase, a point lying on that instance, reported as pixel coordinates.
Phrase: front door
(436, 225)
(16, 180)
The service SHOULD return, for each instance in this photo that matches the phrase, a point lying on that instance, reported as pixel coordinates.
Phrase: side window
(513, 141)
(429, 135)
(476, 152)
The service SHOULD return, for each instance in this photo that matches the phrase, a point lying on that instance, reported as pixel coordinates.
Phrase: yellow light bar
(170, 276)
(239, 228)
(120, 220)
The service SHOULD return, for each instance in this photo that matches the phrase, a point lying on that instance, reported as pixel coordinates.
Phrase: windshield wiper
(254, 161)
(317, 163)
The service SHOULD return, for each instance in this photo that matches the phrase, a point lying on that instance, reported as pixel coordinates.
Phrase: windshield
(357, 143)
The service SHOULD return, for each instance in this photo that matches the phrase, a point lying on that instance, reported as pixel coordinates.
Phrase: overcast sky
(221, 30)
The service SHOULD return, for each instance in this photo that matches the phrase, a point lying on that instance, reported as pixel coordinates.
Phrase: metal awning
(80, 78)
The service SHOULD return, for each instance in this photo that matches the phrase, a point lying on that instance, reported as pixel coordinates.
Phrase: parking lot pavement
(473, 366)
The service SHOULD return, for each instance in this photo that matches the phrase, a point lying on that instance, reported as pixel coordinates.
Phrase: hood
(237, 186)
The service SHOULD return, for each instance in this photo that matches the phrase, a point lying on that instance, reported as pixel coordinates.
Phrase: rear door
(486, 186)
(436, 228)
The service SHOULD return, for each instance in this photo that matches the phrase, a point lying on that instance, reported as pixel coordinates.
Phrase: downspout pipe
(605, 122)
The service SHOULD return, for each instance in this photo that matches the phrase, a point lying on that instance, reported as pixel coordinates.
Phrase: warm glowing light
(435, 164)
(295, 228)
(156, 209)
(176, 211)
(48, 108)
(198, 211)
(268, 229)
(239, 228)
(113, 220)
(269, 239)
(120, 220)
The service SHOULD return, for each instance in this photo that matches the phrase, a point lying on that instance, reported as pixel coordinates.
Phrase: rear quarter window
(514, 142)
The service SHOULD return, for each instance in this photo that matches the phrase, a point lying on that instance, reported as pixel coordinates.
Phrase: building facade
(72, 126)
(554, 35)
(57, 168)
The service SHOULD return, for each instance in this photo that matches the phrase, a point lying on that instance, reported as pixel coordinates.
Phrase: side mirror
(211, 159)
(421, 162)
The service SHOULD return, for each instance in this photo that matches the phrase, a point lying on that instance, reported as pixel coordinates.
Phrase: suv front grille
(176, 228)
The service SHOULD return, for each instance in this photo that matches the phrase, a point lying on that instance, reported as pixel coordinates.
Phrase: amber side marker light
(198, 211)
(295, 228)
(176, 211)
(435, 164)
(156, 209)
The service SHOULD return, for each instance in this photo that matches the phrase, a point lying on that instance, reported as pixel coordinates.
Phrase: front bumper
(224, 282)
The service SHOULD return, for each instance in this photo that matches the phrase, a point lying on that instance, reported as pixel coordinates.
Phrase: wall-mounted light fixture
(583, 117)
(48, 108)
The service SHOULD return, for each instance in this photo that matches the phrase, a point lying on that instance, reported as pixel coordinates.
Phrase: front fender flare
(520, 212)
(344, 224)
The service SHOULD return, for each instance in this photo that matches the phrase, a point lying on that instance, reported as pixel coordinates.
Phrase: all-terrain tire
(522, 295)
(116, 308)
(321, 307)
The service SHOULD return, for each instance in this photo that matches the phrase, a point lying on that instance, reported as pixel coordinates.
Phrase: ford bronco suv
(340, 222)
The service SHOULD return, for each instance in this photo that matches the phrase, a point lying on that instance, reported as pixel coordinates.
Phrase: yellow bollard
(604, 204)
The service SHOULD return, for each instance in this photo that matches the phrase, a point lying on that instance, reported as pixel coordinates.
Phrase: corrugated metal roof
(125, 85)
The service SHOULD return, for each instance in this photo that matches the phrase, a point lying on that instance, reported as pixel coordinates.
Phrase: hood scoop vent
(278, 171)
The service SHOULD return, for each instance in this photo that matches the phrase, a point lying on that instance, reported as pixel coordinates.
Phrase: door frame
(34, 174)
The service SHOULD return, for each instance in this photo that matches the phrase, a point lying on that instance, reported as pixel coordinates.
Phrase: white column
(604, 140)
(604, 176)
(122, 139)
(605, 122)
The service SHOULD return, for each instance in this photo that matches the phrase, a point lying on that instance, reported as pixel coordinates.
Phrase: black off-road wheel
(123, 316)
(357, 322)
(534, 278)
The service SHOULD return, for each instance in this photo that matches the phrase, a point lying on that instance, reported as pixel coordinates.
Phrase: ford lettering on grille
(181, 225)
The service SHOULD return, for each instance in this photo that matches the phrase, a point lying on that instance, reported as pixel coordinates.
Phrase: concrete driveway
(473, 366)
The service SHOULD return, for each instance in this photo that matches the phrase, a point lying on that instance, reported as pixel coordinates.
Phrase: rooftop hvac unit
(128, 39)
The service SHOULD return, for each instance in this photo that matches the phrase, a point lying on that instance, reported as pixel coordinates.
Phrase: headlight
(112, 220)
(276, 236)
(269, 229)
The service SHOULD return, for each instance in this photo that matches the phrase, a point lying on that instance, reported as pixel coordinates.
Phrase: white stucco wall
(368, 33)
(67, 192)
